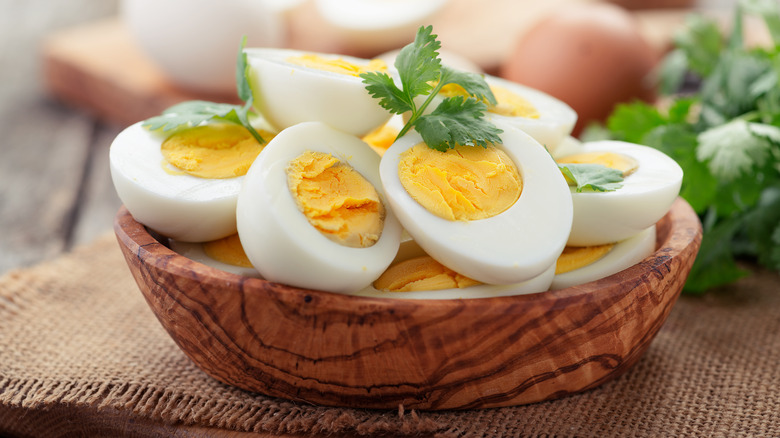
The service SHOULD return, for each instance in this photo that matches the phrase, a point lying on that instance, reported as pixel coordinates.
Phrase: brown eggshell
(590, 56)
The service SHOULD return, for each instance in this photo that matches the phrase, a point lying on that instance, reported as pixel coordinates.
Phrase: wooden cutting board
(99, 68)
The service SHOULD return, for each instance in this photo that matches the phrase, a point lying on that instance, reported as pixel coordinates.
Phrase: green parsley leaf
(737, 147)
(715, 263)
(702, 42)
(589, 176)
(455, 120)
(473, 83)
(631, 122)
(194, 112)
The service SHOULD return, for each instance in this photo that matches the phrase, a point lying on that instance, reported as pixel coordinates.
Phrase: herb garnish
(725, 136)
(456, 120)
(195, 112)
(591, 176)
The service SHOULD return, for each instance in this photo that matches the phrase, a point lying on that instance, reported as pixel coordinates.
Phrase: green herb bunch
(725, 136)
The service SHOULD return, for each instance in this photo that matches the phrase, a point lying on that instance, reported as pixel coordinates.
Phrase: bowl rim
(677, 231)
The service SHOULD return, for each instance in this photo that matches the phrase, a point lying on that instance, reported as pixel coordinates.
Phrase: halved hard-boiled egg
(578, 265)
(312, 212)
(652, 182)
(292, 87)
(498, 215)
(184, 184)
(225, 254)
(424, 278)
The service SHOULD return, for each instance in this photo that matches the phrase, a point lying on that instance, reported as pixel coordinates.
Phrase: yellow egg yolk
(336, 199)
(464, 183)
(508, 103)
(227, 250)
(212, 151)
(337, 65)
(620, 162)
(381, 138)
(419, 274)
(576, 257)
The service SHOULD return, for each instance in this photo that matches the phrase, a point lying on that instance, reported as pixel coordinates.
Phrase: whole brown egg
(591, 56)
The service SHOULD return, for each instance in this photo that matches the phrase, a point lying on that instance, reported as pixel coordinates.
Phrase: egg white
(278, 239)
(540, 283)
(514, 246)
(179, 206)
(623, 255)
(645, 197)
(287, 94)
(194, 251)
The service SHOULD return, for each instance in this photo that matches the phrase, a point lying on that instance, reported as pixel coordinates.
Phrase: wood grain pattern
(340, 350)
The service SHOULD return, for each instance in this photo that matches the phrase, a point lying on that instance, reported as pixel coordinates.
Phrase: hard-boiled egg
(193, 199)
(312, 211)
(509, 246)
(473, 289)
(646, 194)
(292, 87)
(617, 257)
(225, 254)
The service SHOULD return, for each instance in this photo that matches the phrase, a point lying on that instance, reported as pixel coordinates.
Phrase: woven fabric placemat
(76, 331)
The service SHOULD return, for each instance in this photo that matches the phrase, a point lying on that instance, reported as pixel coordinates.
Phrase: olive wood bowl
(339, 350)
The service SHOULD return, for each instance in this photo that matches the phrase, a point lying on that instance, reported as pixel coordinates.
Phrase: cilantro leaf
(596, 177)
(242, 73)
(381, 86)
(737, 147)
(701, 42)
(473, 83)
(457, 121)
(715, 263)
(419, 64)
(194, 112)
(630, 122)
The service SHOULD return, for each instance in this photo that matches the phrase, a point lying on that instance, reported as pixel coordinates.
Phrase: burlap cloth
(76, 332)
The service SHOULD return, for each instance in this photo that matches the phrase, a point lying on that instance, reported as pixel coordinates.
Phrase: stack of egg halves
(293, 231)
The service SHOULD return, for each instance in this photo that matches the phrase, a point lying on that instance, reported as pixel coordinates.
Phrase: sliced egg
(515, 245)
(646, 195)
(537, 284)
(307, 211)
(214, 254)
(620, 256)
(292, 87)
(172, 200)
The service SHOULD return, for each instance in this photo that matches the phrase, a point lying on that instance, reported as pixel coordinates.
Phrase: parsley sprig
(725, 134)
(456, 120)
(194, 112)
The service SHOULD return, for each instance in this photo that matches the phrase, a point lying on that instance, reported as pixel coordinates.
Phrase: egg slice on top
(184, 184)
(292, 87)
(225, 254)
(578, 265)
(312, 212)
(498, 215)
(651, 183)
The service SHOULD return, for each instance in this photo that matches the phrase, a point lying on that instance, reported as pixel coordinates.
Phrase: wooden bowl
(340, 350)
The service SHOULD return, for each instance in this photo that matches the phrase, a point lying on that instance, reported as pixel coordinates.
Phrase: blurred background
(75, 73)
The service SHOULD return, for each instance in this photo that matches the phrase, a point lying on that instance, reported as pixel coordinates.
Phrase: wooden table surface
(55, 187)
